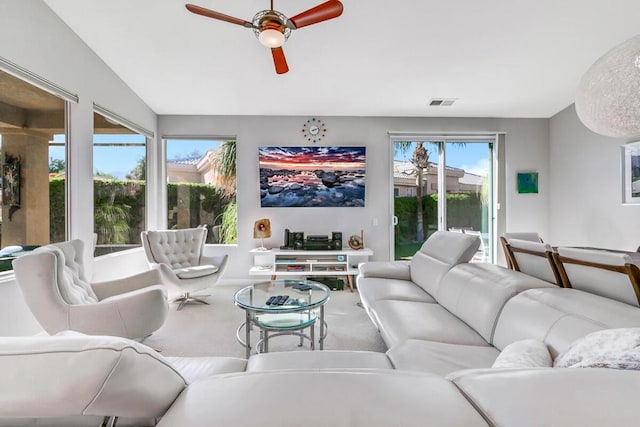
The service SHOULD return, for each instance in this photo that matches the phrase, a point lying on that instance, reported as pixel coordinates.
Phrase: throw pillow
(609, 348)
(524, 354)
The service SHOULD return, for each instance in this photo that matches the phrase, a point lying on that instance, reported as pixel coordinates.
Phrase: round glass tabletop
(294, 295)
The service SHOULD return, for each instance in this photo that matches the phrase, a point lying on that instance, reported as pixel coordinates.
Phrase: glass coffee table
(302, 304)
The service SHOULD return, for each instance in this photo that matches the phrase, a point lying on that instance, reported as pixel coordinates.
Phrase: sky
(119, 161)
(310, 158)
(473, 157)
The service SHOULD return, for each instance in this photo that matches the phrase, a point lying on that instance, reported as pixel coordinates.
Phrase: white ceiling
(499, 58)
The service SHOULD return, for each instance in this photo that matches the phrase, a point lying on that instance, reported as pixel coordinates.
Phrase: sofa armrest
(110, 288)
(133, 315)
(386, 269)
(552, 396)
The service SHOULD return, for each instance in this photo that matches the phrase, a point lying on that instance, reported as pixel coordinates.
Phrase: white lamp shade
(271, 38)
(608, 97)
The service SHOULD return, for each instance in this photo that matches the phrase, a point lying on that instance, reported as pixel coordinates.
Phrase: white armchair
(179, 257)
(58, 294)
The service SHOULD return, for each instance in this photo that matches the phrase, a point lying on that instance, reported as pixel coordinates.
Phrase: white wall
(527, 148)
(34, 38)
(586, 197)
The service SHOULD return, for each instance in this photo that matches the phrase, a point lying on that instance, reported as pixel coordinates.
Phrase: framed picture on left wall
(11, 183)
(630, 167)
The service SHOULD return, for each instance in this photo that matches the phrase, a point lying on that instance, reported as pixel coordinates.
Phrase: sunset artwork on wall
(312, 176)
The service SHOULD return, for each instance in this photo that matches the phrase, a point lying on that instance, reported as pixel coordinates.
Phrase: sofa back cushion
(476, 293)
(441, 251)
(59, 376)
(70, 277)
(176, 248)
(559, 316)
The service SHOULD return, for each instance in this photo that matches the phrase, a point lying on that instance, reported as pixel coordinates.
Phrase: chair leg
(109, 422)
(187, 298)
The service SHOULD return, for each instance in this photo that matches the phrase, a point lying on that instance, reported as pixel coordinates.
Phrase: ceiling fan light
(271, 38)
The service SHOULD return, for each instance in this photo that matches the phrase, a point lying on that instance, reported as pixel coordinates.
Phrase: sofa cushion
(476, 293)
(524, 354)
(441, 251)
(553, 397)
(609, 348)
(357, 398)
(195, 271)
(373, 289)
(559, 316)
(440, 358)
(402, 320)
(314, 360)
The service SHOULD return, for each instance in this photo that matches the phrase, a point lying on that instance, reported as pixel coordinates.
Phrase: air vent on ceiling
(441, 102)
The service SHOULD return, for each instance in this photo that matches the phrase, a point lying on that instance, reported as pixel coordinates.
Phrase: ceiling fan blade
(327, 10)
(279, 60)
(217, 15)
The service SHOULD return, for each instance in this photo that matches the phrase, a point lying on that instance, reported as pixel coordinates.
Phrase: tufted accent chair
(179, 257)
(58, 294)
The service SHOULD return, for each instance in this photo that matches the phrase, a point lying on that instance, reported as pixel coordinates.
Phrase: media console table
(288, 262)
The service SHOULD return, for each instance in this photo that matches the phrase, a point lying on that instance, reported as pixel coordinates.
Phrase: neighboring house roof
(186, 161)
(406, 169)
(471, 179)
(404, 174)
(202, 166)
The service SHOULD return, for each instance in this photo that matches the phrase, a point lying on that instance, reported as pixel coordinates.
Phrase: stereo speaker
(287, 240)
(298, 240)
(336, 240)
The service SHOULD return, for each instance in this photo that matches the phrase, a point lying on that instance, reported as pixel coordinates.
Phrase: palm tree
(420, 162)
(224, 163)
(111, 223)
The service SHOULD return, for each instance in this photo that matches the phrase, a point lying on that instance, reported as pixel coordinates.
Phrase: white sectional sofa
(466, 314)
(445, 321)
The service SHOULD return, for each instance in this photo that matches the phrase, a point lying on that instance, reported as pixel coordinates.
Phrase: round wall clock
(314, 130)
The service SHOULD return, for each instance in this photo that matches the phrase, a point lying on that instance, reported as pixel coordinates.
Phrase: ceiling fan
(273, 28)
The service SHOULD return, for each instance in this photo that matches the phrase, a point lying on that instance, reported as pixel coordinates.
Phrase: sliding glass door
(443, 183)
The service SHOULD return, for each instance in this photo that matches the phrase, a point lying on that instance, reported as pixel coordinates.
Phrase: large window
(201, 186)
(119, 185)
(32, 162)
(448, 184)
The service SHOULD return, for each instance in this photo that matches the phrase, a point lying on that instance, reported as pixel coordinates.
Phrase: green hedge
(56, 209)
(120, 208)
(463, 210)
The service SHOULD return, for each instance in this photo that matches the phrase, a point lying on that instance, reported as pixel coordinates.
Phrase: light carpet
(210, 330)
